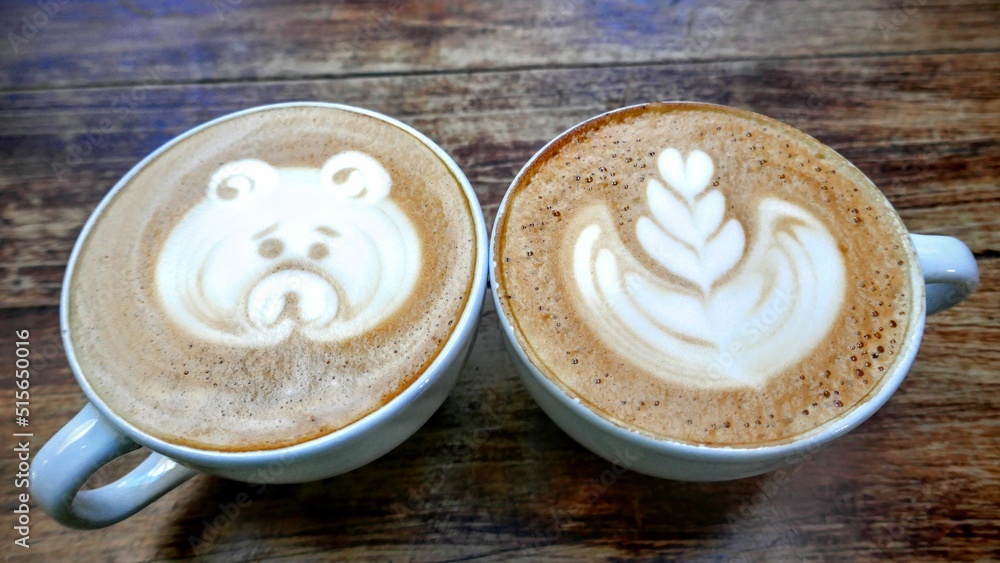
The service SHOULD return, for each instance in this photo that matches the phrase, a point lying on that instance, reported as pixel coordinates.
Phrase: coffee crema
(703, 274)
(271, 278)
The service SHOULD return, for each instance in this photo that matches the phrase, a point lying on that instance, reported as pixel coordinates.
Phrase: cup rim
(209, 457)
(808, 440)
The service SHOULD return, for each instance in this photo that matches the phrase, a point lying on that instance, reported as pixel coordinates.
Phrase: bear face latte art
(703, 274)
(271, 251)
(250, 289)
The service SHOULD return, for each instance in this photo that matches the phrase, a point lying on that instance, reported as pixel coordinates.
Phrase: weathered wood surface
(67, 43)
(906, 90)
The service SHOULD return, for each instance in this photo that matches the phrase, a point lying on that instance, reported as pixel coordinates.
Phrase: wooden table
(906, 89)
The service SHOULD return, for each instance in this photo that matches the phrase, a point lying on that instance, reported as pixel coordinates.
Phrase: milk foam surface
(272, 278)
(703, 274)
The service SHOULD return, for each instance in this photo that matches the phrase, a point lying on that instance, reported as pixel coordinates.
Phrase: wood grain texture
(905, 90)
(248, 40)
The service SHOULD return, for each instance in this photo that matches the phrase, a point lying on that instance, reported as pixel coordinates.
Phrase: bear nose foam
(316, 301)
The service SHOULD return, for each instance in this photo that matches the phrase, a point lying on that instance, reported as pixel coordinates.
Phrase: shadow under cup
(644, 299)
(99, 434)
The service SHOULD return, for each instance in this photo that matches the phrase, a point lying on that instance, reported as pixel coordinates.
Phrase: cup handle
(75, 453)
(950, 271)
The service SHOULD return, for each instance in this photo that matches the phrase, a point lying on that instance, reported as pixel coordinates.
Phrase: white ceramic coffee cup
(97, 434)
(943, 273)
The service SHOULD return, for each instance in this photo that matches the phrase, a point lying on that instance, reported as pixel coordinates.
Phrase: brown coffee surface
(231, 385)
(780, 188)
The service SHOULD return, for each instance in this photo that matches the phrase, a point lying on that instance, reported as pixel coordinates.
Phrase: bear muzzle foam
(297, 297)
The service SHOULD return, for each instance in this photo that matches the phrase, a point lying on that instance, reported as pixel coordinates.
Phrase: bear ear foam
(353, 174)
(237, 179)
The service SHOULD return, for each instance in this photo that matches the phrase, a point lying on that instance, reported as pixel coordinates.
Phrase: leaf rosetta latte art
(710, 305)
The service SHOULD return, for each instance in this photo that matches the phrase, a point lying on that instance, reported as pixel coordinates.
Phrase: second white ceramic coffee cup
(942, 271)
